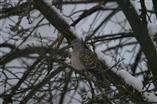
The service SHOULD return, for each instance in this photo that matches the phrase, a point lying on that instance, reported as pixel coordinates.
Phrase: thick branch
(141, 34)
(54, 18)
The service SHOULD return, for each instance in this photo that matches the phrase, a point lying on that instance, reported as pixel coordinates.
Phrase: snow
(99, 53)
(152, 28)
(137, 84)
(60, 15)
(129, 79)
(74, 31)
(1, 101)
(150, 97)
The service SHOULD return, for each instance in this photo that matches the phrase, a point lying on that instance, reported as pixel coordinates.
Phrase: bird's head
(76, 43)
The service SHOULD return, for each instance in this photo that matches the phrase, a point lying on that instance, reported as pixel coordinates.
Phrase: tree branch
(54, 18)
(141, 34)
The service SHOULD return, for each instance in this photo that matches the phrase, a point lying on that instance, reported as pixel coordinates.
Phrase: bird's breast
(75, 61)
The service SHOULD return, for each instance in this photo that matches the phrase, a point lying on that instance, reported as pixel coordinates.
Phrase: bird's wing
(88, 59)
(92, 64)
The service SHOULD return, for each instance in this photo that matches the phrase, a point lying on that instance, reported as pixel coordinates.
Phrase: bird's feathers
(88, 59)
(91, 63)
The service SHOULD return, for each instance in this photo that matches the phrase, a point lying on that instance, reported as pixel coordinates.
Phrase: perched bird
(83, 59)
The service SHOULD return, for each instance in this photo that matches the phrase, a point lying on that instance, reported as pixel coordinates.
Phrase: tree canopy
(35, 51)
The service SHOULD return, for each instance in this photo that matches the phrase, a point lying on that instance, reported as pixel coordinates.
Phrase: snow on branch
(137, 84)
(55, 18)
(144, 40)
(152, 30)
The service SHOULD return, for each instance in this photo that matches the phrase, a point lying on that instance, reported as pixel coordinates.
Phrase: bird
(84, 59)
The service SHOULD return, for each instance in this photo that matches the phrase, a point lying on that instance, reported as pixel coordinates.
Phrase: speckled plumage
(83, 59)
